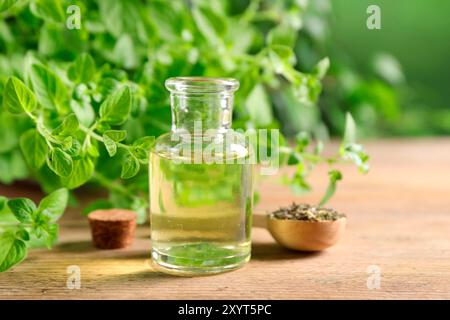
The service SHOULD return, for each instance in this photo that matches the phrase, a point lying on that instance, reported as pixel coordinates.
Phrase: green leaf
(11, 127)
(102, 127)
(356, 154)
(388, 68)
(64, 142)
(47, 179)
(308, 89)
(116, 108)
(115, 135)
(35, 242)
(318, 148)
(49, 89)
(209, 24)
(34, 148)
(282, 59)
(55, 203)
(84, 111)
(349, 149)
(124, 52)
(283, 34)
(92, 148)
(350, 129)
(74, 149)
(141, 154)
(68, 127)
(6, 216)
(23, 209)
(60, 162)
(12, 250)
(23, 234)
(141, 148)
(110, 145)
(82, 70)
(19, 166)
(6, 4)
(334, 176)
(12, 167)
(294, 158)
(111, 137)
(321, 68)
(83, 169)
(145, 143)
(298, 183)
(112, 16)
(50, 234)
(45, 230)
(49, 10)
(17, 98)
(259, 107)
(130, 166)
(303, 139)
(121, 16)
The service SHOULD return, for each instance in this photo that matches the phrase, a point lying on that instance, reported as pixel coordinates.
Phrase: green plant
(64, 139)
(24, 225)
(82, 106)
(306, 156)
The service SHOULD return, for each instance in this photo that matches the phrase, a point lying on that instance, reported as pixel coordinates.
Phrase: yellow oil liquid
(200, 214)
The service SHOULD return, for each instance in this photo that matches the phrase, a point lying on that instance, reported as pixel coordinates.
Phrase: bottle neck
(200, 112)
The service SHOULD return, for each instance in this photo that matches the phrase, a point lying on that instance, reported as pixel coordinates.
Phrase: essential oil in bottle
(201, 182)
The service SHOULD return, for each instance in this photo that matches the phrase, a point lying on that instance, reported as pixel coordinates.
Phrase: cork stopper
(112, 228)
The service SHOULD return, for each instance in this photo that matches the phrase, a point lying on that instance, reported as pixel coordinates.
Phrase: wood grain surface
(398, 221)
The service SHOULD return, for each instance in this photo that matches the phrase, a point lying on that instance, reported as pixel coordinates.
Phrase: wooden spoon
(302, 235)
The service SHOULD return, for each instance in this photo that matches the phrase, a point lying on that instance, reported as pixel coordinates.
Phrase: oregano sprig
(306, 158)
(68, 153)
(74, 119)
(22, 222)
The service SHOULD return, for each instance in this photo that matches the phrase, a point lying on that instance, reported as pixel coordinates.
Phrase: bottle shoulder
(171, 139)
(224, 145)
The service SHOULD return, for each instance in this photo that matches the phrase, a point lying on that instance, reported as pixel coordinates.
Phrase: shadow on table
(142, 279)
(86, 246)
(76, 247)
(272, 251)
(260, 251)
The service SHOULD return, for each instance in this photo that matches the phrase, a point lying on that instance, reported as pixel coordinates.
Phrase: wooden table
(399, 223)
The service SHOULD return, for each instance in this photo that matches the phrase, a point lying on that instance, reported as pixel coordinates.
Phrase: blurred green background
(416, 34)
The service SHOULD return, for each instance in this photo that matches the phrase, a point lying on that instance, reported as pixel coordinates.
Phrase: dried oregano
(306, 212)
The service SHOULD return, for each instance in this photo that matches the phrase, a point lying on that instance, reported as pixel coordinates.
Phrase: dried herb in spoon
(306, 212)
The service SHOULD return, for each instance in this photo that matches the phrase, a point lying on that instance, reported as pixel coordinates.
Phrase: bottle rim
(201, 85)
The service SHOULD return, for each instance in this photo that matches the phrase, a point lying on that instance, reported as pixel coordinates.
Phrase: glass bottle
(201, 182)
